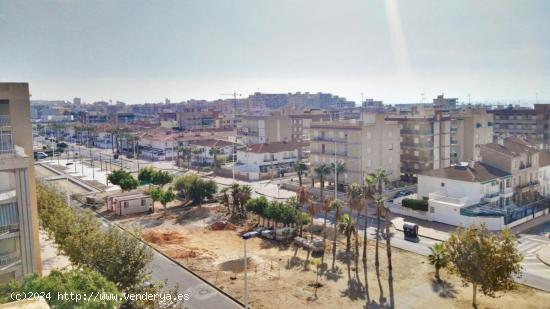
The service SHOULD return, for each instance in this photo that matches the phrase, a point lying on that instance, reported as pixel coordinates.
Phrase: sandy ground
(280, 277)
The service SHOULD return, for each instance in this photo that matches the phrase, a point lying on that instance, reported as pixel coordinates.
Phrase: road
(535, 273)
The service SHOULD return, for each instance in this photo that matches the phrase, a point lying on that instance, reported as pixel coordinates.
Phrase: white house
(464, 194)
(203, 147)
(266, 158)
(158, 146)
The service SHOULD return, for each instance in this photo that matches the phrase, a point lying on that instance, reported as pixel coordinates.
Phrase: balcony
(6, 142)
(9, 259)
(524, 166)
(329, 139)
(10, 228)
(416, 132)
(491, 197)
(426, 145)
(532, 185)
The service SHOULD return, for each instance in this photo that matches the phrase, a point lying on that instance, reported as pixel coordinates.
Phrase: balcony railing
(8, 259)
(416, 132)
(492, 195)
(11, 228)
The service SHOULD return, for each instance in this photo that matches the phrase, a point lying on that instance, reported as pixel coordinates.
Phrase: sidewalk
(432, 230)
(544, 255)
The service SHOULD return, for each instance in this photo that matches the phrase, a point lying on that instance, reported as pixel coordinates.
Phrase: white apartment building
(261, 159)
(19, 243)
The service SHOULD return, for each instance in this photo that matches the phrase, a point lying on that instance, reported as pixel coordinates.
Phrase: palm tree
(347, 227)
(300, 167)
(322, 170)
(379, 201)
(381, 177)
(326, 208)
(438, 258)
(245, 192)
(214, 152)
(312, 211)
(387, 220)
(196, 152)
(368, 196)
(354, 198)
(335, 205)
(338, 168)
(303, 200)
(225, 197)
(235, 187)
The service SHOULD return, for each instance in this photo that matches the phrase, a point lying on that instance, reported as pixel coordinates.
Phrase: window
(390, 147)
(442, 184)
(322, 148)
(126, 204)
(143, 202)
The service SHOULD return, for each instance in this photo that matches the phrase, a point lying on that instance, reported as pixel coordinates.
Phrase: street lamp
(245, 237)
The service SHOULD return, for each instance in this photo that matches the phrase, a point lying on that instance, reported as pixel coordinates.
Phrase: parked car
(40, 155)
(403, 193)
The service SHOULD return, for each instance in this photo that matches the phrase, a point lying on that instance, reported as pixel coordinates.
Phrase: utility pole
(335, 175)
(234, 94)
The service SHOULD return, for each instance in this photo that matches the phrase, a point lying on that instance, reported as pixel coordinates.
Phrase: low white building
(268, 158)
(158, 146)
(462, 195)
(129, 203)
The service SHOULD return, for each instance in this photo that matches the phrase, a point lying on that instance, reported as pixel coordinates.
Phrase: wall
(453, 188)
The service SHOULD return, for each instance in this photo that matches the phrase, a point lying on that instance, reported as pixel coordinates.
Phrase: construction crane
(234, 95)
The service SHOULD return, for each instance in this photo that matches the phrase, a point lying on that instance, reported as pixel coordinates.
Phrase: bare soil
(284, 276)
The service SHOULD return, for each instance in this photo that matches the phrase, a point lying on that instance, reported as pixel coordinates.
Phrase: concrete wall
(19, 106)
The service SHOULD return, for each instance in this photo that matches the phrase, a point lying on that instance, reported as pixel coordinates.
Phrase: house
(159, 145)
(203, 147)
(130, 203)
(267, 158)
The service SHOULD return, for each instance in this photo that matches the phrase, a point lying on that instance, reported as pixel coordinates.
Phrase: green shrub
(421, 205)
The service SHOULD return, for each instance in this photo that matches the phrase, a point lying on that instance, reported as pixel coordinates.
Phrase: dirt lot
(279, 277)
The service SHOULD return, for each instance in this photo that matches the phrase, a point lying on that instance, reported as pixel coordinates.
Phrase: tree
(79, 281)
(145, 175)
(487, 261)
(347, 227)
(166, 197)
(123, 179)
(257, 206)
(156, 194)
(438, 258)
(178, 184)
(379, 201)
(335, 205)
(74, 231)
(368, 195)
(387, 221)
(161, 178)
(303, 199)
(322, 170)
(214, 152)
(300, 167)
(338, 168)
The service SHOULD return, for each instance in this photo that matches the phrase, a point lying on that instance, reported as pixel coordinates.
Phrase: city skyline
(392, 51)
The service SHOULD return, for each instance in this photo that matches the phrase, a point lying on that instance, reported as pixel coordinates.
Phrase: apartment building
(301, 124)
(198, 120)
(425, 140)
(265, 128)
(517, 122)
(470, 129)
(517, 157)
(362, 145)
(19, 243)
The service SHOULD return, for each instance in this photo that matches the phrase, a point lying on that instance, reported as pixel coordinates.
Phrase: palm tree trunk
(376, 261)
(335, 238)
(365, 232)
(474, 287)
(388, 239)
(300, 178)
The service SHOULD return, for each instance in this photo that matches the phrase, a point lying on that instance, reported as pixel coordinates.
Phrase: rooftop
(481, 172)
(512, 146)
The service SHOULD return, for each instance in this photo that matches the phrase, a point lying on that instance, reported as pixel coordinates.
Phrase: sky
(397, 51)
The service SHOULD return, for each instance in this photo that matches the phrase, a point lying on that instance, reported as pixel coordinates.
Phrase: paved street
(535, 273)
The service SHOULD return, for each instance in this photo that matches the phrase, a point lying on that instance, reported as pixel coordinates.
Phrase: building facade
(470, 129)
(19, 243)
(362, 145)
(425, 140)
(265, 128)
